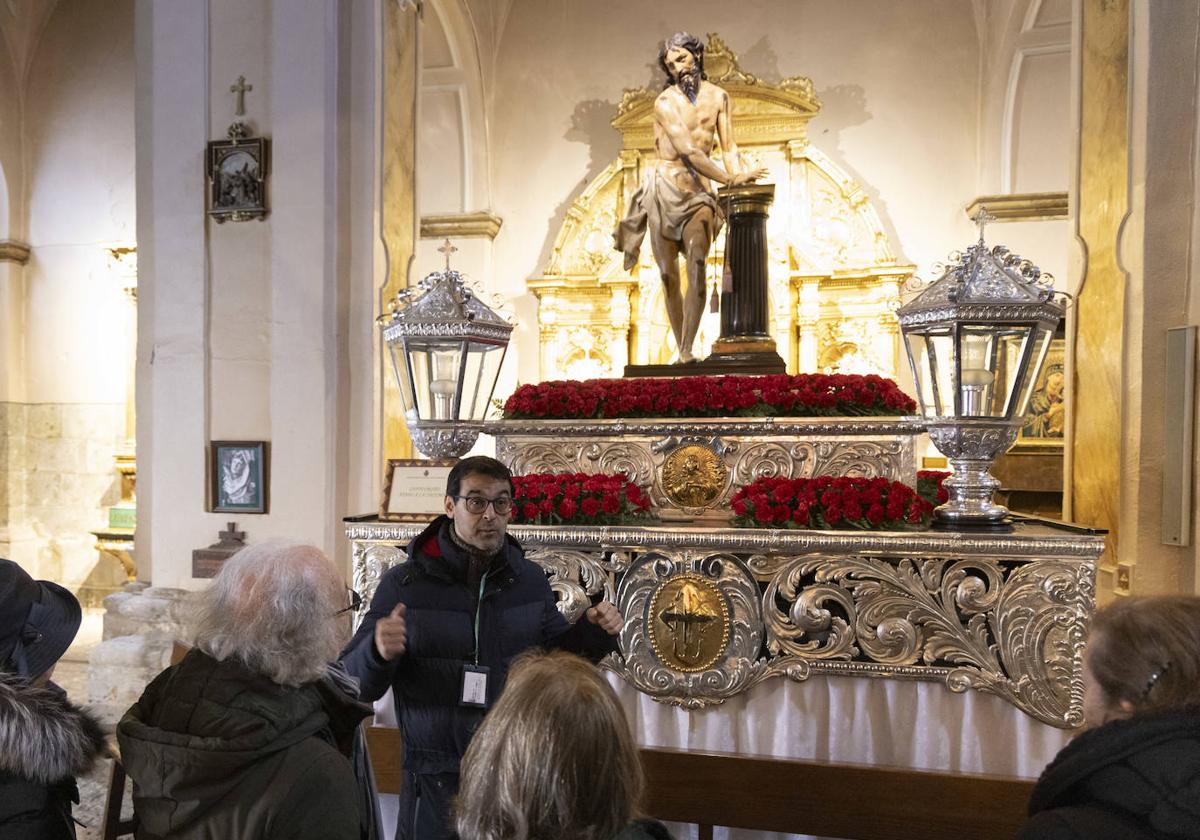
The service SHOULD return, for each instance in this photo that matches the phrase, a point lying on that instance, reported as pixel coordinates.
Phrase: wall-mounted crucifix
(240, 89)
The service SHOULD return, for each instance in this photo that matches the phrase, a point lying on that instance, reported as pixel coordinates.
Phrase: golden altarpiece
(834, 278)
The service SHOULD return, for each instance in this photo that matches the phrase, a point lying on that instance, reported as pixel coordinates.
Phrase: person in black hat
(45, 741)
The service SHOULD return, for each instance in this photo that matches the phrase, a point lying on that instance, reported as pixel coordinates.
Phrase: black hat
(38, 622)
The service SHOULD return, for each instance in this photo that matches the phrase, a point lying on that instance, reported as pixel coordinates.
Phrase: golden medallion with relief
(689, 622)
(693, 476)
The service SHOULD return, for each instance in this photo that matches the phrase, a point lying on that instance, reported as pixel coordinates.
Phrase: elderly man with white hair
(248, 736)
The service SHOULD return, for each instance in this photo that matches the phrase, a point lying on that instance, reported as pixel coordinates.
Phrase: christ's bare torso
(700, 123)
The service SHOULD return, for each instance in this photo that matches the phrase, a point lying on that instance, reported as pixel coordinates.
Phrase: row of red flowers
(832, 503)
(802, 395)
(579, 498)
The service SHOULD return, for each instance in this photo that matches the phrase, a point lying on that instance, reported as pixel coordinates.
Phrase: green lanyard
(478, 607)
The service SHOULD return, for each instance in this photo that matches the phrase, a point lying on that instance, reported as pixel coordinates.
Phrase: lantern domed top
(986, 285)
(442, 305)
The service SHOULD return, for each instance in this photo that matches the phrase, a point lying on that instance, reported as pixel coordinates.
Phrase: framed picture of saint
(1046, 415)
(238, 476)
(237, 175)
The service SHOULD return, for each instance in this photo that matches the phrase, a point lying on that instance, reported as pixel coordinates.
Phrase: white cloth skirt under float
(896, 723)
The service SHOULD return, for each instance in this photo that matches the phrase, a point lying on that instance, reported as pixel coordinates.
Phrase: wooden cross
(447, 249)
(981, 219)
(240, 87)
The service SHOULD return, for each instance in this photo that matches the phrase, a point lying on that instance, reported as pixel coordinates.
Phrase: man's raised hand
(606, 617)
(391, 635)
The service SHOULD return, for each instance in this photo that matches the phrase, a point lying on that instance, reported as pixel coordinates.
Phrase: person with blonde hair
(1134, 773)
(251, 735)
(555, 758)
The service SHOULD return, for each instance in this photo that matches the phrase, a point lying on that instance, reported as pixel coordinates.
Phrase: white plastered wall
(258, 330)
(66, 147)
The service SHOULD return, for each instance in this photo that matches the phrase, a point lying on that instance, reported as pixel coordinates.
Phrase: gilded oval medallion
(693, 476)
(689, 622)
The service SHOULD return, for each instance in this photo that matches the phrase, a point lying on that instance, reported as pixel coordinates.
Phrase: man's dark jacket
(517, 612)
(216, 750)
(45, 742)
(1135, 779)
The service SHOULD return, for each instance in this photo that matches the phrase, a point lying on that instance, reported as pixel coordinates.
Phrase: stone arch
(834, 275)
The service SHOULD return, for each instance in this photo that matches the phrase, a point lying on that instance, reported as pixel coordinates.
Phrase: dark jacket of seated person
(250, 736)
(45, 741)
(1134, 773)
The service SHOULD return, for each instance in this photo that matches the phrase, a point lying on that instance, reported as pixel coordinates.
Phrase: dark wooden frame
(258, 149)
(213, 475)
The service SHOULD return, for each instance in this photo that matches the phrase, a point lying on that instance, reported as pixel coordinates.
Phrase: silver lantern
(446, 347)
(975, 338)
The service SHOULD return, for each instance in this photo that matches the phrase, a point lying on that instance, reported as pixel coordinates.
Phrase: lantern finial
(449, 249)
(981, 219)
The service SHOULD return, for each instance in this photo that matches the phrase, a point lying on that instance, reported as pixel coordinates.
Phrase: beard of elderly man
(252, 734)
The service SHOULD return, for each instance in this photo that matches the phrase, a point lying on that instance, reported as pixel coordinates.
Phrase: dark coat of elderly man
(250, 735)
(444, 626)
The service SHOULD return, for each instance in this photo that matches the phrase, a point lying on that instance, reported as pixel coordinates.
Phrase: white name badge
(474, 686)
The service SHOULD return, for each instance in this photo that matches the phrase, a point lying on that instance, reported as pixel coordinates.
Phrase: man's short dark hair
(685, 41)
(477, 465)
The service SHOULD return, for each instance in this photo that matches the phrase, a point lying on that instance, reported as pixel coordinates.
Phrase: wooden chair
(855, 802)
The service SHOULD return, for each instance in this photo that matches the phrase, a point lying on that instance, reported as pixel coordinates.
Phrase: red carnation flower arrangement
(873, 504)
(777, 395)
(579, 499)
(929, 485)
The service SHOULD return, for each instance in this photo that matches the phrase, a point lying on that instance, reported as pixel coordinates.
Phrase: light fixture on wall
(446, 347)
(975, 338)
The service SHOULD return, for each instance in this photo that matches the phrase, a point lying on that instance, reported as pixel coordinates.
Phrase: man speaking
(443, 627)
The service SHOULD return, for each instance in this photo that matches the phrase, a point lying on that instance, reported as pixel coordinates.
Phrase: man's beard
(689, 83)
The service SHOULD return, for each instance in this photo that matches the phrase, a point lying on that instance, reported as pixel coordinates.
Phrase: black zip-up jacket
(517, 612)
(1135, 779)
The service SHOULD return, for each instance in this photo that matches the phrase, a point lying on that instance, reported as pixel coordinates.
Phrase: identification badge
(474, 686)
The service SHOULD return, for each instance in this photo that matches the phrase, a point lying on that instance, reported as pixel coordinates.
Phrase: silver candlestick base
(972, 446)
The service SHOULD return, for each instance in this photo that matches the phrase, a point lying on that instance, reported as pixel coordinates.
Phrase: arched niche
(834, 276)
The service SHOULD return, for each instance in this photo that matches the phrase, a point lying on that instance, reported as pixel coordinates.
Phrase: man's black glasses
(478, 504)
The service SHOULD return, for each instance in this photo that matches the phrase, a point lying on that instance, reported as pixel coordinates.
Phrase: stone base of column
(141, 626)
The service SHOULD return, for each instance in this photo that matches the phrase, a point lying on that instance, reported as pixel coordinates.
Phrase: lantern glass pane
(435, 369)
(479, 382)
(401, 368)
(977, 368)
(932, 354)
(1039, 342)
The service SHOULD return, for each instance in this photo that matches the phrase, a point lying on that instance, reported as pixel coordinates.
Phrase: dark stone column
(745, 341)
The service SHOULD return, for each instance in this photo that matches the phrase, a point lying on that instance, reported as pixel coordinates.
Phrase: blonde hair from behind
(1144, 653)
(554, 758)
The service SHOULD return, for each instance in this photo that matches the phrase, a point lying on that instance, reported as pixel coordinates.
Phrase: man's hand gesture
(391, 635)
(606, 617)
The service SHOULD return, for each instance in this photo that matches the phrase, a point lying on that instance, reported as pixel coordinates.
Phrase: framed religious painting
(414, 490)
(237, 178)
(239, 476)
(1045, 416)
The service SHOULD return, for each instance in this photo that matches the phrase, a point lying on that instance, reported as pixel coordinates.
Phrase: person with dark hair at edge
(45, 741)
(443, 628)
(1134, 772)
(554, 758)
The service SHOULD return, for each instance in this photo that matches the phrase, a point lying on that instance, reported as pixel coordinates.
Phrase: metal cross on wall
(240, 88)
